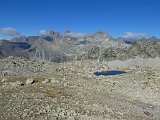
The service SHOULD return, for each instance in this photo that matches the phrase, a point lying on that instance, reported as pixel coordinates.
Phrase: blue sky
(28, 17)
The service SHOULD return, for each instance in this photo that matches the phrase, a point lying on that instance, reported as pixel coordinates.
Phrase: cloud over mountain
(74, 34)
(43, 32)
(9, 31)
(134, 35)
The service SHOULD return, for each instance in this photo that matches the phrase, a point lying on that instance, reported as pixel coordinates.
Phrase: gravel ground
(70, 91)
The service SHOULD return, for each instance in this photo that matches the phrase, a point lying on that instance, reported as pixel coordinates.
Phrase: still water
(107, 73)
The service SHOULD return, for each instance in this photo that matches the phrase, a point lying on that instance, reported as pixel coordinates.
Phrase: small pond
(107, 73)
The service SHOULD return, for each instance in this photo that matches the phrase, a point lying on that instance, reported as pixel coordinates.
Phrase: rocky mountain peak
(54, 34)
(60, 47)
(100, 36)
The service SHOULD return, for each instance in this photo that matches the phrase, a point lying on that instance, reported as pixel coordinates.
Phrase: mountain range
(62, 47)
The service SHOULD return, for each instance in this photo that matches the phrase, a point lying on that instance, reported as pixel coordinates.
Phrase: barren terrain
(32, 90)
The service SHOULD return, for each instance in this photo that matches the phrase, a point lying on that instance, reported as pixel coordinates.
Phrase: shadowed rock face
(1, 53)
(8, 48)
(57, 47)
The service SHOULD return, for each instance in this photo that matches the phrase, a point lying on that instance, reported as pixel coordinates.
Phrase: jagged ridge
(58, 47)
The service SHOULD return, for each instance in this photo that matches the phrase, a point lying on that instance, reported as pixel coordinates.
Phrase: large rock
(4, 79)
(30, 80)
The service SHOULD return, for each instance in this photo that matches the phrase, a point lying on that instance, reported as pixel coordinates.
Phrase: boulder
(4, 80)
(30, 80)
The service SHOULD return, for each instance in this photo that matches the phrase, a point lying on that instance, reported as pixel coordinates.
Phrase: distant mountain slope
(8, 48)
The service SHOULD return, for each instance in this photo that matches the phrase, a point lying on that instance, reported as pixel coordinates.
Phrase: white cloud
(134, 35)
(9, 31)
(73, 34)
(43, 32)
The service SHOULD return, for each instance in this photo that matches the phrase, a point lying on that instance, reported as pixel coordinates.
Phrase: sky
(119, 18)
